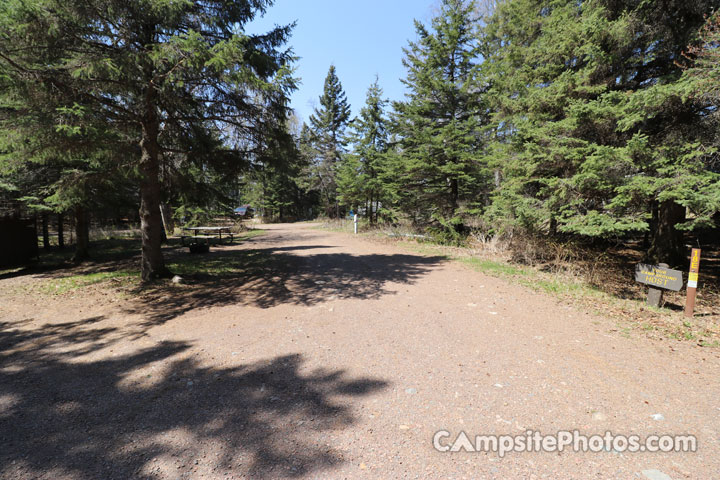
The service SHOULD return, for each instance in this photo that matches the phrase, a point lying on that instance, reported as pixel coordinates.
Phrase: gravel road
(337, 357)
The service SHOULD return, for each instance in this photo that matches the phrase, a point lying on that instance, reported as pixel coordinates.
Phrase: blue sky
(362, 38)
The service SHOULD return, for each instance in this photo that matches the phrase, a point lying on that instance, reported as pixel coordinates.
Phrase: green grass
(64, 285)
(345, 226)
(250, 234)
(124, 249)
(531, 278)
(221, 263)
(11, 270)
(495, 268)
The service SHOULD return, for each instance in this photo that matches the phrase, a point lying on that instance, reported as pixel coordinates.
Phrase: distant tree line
(592, 119)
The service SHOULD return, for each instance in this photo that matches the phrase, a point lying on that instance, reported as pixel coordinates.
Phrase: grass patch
(122, 250)
(530, 277)
(64, 285)
(9, 271)
(495, 268)
(336, 225)
(250, 234)
(221, 263)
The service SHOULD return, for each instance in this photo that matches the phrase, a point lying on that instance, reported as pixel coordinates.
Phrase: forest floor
(303, 353)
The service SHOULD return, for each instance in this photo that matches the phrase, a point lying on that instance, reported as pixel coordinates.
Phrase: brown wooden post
(692, 282)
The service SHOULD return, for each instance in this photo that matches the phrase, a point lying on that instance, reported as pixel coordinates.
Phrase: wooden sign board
(659, 277)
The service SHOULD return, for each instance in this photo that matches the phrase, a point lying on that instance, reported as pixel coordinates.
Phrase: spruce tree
(439, 122)
(328, 124)
(359, 181)
(594, 132)
(60, 159)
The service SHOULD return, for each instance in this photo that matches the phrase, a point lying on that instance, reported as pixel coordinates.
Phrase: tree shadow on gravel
(76, 403)
(266, 277)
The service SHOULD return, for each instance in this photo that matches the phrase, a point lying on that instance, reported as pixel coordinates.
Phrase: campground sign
(659, 277)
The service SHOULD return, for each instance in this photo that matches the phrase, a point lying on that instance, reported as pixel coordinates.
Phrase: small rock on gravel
(655, 475)
(657, 416)
(411, 391)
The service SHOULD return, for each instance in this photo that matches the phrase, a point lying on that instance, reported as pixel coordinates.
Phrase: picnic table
(206, 234)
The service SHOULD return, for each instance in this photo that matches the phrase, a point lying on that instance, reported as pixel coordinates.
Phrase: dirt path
(335, 357)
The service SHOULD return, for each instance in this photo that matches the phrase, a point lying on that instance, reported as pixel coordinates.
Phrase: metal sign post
(355, 221)
(692, 282)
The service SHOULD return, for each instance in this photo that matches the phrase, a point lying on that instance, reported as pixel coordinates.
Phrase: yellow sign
(695, 261)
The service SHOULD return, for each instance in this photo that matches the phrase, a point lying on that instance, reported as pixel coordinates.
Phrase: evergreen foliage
(438, 125)
(589, 120)
(595, 131)
(358, 178)
(326, 141)
(176, 78)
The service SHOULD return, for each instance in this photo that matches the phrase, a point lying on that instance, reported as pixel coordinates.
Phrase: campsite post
(692, 282)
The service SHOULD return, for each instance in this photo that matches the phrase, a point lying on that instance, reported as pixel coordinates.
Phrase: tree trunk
(45, 232)
(667, 245)
(72, 229)
(61, 230)
(454, 203)
(168, 221)
(552, 230)
(652, 225)
(370, 209)
(151, 226)
(82, 234)
(454, 195)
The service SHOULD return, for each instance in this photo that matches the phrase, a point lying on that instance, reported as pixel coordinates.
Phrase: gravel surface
(338, 358)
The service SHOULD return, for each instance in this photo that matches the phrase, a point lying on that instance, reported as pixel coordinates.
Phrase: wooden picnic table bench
(210, 233)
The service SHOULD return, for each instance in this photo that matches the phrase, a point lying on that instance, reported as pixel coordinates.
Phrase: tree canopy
(177, 80)
(591, 120)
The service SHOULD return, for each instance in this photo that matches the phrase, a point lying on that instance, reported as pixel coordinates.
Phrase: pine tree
(173, 77)
(328, 124)
(439, 123)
